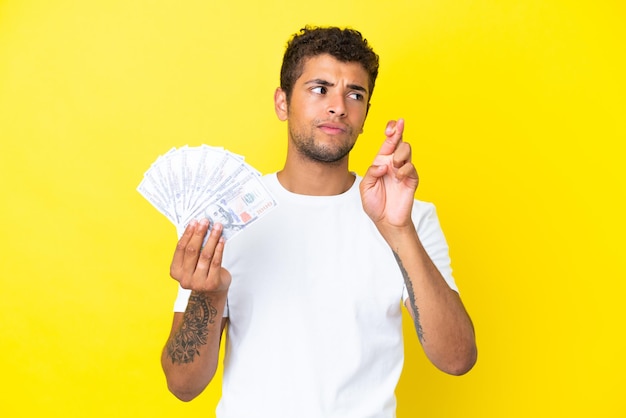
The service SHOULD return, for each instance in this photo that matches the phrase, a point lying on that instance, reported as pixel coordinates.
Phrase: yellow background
(516, 112)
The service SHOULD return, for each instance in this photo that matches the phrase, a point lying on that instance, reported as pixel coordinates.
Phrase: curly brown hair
(344, 44)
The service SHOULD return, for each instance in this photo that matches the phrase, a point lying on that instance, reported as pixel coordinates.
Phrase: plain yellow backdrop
(516, 112)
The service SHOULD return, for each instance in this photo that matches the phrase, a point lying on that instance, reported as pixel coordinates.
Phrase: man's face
(327, 109)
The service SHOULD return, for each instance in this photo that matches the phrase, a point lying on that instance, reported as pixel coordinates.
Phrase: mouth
(332, 128)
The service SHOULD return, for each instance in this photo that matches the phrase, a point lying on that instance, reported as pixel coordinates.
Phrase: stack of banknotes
(190, 183)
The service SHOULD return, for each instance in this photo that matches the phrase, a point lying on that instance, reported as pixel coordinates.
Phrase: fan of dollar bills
(206, 182)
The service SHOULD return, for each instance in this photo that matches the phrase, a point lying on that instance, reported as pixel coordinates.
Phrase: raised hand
(388, 187)
(200, 268)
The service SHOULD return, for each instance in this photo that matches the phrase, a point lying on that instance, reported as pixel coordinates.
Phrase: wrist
(397, 236)
(214, 296)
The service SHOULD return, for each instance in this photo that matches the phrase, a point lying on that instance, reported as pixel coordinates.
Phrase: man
(311, 294)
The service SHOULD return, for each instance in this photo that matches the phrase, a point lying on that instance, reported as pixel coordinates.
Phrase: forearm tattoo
(185, 345)
(409, 288)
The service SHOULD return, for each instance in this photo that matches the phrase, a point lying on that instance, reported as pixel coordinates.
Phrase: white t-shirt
(315, 309)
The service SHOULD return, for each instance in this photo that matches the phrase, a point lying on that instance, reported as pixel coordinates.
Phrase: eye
(319, 90)
(356, 96)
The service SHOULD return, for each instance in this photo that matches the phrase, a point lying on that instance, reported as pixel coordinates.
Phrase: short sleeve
(180, 304)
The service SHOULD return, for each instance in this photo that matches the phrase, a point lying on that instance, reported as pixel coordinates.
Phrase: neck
(316, 178)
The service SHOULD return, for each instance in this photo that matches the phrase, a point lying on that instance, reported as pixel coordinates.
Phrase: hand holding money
(200, 268)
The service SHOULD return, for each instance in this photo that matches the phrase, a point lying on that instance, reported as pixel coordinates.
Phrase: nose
(337, 105)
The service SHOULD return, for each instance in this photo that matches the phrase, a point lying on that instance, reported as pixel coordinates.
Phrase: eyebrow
(325, 83)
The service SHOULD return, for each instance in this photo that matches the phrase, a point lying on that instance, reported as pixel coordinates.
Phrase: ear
(280, 104)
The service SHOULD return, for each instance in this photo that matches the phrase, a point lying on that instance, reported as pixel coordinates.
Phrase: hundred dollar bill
(206, 182)
(241, 203)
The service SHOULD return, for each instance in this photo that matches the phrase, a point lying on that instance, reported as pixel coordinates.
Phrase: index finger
(179, 253)
(393, 132)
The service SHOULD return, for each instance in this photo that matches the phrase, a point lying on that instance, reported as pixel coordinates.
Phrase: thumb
(373, 173)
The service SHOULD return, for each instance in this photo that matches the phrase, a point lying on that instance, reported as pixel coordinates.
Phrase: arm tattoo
(409, 288)
(184, 346)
